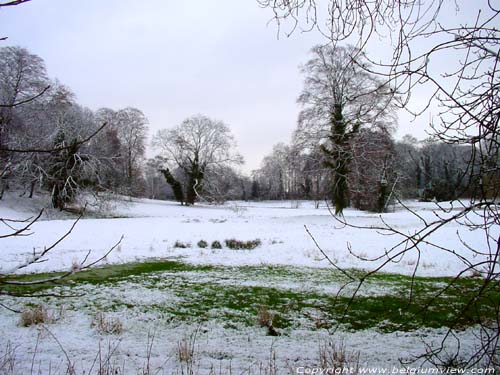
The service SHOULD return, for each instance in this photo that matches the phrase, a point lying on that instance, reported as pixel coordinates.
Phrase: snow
(215, 346)
(151, 228)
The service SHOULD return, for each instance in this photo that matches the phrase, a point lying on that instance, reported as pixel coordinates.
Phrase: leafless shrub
(182, 245)
(216, 245)
(8, 360)
(237, 209)
(265, 317)
(186, 354)
(334, 356)
(240, 245)
(202, 244)
(108, 325)
(271, 367)
(39, 314)
(185, 351)
(104, 363)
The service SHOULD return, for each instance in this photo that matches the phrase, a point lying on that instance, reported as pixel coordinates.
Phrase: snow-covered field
(151, 228)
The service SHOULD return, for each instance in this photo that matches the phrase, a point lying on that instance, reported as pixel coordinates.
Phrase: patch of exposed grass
(104, 275)
(236, 294)
(206, 300)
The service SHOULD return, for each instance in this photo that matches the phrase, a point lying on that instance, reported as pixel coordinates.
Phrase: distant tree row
(380, 167)
(343, 149)
(49, 142)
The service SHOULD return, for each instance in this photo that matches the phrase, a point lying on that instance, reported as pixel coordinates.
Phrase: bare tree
(12, 3)
(373, 173)
(23, 78)
(121, 149)
(132, 130)
(23, 81)
(454, 66)
(281, 173)
(199, 146)
(339, 98)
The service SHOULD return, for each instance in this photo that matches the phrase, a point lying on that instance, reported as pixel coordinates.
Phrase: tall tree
(200, 147)
(448, 53)
(372, 176)
(121, 148)
(132, 130)
(23, 78)
(338, 99)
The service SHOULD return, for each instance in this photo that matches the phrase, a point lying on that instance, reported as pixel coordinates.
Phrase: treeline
(50, 142)
(380, 166)
(343, 149)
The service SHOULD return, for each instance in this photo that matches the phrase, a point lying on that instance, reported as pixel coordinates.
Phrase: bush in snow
(238, 245)
(336, 356)
(182, 245)
(38, 314)
(216, 245)
(108, 325)
(202, 243)
(265, 318)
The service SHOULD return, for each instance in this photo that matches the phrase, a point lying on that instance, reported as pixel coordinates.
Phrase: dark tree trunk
(176, 185)
(338, 159)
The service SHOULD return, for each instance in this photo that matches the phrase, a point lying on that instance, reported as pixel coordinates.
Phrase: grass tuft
(335, 357)
(38, 314)
(108, 325)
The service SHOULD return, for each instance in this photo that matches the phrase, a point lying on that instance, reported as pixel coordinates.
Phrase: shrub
(239, 245)
(182, 245)
(265, 319)
(8, 359)
(216, 245)
(37, 315)
(107, 325)
(185, 351)
(202, 243)
(336, 356)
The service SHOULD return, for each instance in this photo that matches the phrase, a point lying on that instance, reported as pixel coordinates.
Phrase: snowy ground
(221, 345)
(151, 228)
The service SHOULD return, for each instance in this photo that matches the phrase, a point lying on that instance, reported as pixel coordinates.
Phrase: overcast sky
(173, 59)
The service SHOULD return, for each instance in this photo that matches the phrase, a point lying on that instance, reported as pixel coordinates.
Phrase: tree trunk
(176, 185)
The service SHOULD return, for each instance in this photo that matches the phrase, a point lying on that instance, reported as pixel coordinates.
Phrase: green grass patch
(104, 275)
(297, 297)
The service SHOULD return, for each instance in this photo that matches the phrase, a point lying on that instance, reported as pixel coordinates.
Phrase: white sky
(173, 59)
